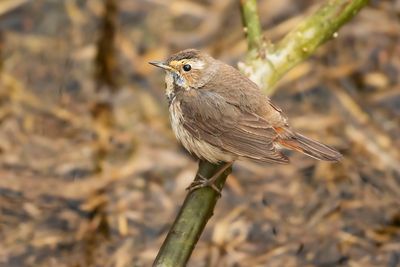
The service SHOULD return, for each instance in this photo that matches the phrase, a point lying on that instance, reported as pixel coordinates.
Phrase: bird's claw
(203, 182)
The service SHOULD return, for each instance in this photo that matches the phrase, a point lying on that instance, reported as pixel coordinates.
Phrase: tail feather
(310, 147)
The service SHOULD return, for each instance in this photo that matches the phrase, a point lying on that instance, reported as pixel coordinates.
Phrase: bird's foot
(203, 182)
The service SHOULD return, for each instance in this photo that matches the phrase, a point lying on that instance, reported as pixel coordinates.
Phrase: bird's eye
(187, 67)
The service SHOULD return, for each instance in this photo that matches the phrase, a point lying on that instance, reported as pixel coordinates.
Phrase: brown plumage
(220, 115)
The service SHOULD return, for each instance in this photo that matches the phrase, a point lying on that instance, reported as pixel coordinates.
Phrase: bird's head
(187, 69)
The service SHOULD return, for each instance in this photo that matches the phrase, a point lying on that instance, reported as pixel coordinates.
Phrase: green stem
(252, 24)
(301, 42)
(191, 220)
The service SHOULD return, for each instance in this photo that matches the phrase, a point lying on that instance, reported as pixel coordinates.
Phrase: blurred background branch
(265, 68)
(8, 5)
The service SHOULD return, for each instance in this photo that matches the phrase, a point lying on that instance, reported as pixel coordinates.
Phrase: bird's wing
(209, 117)
(240, 91)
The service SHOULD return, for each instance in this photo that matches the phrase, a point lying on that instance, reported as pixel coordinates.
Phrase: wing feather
(209, 117)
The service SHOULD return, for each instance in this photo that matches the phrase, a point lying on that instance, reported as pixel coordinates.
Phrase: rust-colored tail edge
(311, 148)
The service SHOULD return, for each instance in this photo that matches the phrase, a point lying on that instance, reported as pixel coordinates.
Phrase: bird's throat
(174, 83)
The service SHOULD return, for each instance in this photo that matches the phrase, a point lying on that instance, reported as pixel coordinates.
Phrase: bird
(219, 115)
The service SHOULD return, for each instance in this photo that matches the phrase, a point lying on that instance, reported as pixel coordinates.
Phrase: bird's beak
(160, 64)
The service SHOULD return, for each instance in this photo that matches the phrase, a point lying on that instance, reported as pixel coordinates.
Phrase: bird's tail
(310, 147)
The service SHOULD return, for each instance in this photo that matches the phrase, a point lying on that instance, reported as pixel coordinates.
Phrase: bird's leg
(203, 181)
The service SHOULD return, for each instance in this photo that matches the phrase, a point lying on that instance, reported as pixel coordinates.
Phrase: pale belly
(201, 149)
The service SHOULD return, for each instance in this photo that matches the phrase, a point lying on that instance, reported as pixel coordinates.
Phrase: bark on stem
(251, 23)
(193, 216)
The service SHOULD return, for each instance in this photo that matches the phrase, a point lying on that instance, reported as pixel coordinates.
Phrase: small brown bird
(220, 115)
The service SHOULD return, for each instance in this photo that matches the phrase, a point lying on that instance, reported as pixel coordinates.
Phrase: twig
(301, 42)
(252, 24)
(265, 71)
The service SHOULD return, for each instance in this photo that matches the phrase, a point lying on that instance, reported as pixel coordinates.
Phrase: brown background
(91, 174)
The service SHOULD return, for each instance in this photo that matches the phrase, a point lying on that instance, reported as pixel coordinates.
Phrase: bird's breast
(176, 118)
(200, 148)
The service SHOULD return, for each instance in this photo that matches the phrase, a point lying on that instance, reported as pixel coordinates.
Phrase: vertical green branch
(196, 210)
(251, 23)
